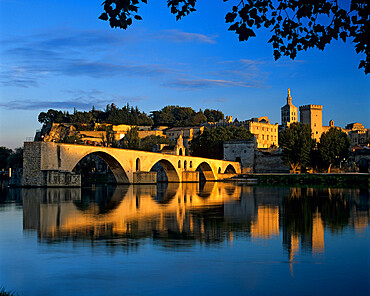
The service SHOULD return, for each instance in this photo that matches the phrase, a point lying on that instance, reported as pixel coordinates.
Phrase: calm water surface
(185, 239)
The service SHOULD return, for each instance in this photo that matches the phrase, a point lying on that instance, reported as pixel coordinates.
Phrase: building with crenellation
(312, 115)
(308, 114)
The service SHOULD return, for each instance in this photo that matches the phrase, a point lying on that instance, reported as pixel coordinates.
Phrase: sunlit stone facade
(289, 112)
(265, 133)
(312, 115)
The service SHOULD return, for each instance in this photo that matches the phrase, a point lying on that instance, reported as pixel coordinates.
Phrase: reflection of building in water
(317, 234)
(133, 211)
(266, 223)
(191, 212)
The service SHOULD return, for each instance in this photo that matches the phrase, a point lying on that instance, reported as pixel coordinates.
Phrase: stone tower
(312, 115)
(289, 112)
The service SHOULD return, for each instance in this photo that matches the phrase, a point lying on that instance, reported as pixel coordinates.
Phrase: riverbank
(349, 179)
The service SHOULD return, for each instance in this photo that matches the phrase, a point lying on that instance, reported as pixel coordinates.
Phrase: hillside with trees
(176, 116)
(172, 116)
(111, 115)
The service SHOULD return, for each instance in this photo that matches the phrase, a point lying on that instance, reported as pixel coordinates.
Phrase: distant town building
(289, 112)
(358, 134)
(222, 122)
(266, 134)
(187, 133)
(178, 149)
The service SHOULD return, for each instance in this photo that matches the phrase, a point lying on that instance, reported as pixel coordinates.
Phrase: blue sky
(58, 54)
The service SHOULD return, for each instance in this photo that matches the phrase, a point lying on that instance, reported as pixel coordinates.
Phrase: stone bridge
(51, 164)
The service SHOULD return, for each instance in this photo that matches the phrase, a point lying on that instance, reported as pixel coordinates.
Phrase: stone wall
(188, 176)
(32, 175)
(55, 178)
(269, 162)
(253, 160)
(241, 151)
(145, 177)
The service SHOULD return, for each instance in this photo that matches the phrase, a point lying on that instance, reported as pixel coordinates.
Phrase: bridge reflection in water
(184, 214)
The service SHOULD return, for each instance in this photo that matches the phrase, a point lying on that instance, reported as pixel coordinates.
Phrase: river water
(185, 239)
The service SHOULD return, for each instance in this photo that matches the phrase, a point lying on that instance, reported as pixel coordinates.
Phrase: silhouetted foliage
(73, 139)
(295, 25)
(16, 158)
(4, 156)
(112, 115)
(210, 143)
(213, 115)
(184, 116)
(10, 158)
(131, 139)
(333, 147)
(147, 143)
(3, 292)
(329, 205)
(297, 144)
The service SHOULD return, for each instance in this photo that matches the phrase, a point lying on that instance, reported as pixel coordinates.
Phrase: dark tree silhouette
(333, 147)
(210, 143)
(297, 144)
(295, 25)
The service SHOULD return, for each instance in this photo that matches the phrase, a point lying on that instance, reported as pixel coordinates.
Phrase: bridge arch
(168, 168)
(114, 165)
(206, 172)
(230, 169)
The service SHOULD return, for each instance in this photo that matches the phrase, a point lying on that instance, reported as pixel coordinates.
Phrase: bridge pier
(145, 177)
(190, 177)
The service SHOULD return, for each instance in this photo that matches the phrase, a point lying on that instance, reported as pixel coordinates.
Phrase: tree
(198, 118)
(210, 143)
(213, 115)
(131, 139)
(147, 143)
(295, 25)
(297, 144)
(108, 138)
(85, 119)
(4, 156)
(333, 147)
(177, 116)
(16, 158)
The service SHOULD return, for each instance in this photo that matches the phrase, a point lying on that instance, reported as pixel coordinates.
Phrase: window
(191, 164)
(263, 137)
(267, 137)
(179, 165)
(137, 164)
